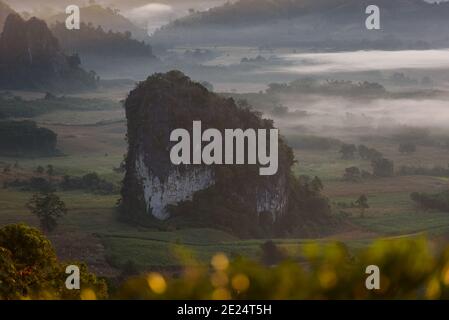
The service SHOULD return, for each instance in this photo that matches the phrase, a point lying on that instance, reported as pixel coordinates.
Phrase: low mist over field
(358, 61)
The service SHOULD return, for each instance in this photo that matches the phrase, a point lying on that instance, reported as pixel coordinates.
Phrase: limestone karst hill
(31, 58)
(5, 11)
(235, 198)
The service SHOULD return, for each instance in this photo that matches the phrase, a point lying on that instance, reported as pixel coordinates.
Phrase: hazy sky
(156, 13)
(122, 4)
(145, 13)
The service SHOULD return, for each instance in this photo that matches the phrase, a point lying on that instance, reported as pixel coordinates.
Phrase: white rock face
(273, 201)
(177, 187)
(181, 186)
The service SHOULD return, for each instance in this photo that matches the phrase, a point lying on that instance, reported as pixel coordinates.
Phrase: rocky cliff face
(153, 186)
(30, 58)
(177, 186)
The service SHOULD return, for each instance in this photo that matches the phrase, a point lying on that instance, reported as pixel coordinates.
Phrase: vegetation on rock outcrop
(165, 102)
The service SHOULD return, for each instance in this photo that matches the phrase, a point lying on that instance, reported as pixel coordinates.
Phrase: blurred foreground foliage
(29, 268)
(410, 269)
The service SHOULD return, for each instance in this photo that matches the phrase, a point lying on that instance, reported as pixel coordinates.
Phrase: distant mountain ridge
(249, 11)
(31, 58)
(107, 18)
(5, 11)
(94, 41)
(304, 23)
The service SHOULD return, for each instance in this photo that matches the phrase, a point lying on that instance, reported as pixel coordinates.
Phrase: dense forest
(25, 138)
(12, 106)
(95, 41)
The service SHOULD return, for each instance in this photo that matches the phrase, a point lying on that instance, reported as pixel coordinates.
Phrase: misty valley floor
(90, 232)
(94, 141)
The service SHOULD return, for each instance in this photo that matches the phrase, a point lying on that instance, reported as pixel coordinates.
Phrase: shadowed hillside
(31, 58)
(338, 24)
(5, 11)
(107, 18)
(94, 41)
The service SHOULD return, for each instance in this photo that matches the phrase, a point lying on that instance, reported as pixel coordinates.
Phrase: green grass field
(91, 231)
(151, 248)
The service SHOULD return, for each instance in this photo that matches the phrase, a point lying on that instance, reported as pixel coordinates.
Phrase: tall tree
(383, 167)
(48, 207)
(347, 151)
(362, 204)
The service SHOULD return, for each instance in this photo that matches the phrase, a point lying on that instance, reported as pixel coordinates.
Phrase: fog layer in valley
(312, 63)
(408, 101)
(328, 116)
